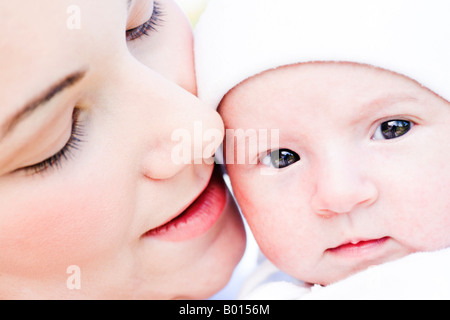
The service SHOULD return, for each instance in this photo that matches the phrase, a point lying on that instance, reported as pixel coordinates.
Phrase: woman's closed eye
(280, 158)
(150, 25)
(392, 129)
(64, 154)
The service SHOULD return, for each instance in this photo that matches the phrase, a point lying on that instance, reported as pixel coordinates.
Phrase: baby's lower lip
(199, 217)
(358, 249)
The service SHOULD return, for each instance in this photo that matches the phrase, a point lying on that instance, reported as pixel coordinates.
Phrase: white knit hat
(237, 39)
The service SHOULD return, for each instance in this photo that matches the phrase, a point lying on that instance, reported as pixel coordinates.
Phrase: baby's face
(363, 175)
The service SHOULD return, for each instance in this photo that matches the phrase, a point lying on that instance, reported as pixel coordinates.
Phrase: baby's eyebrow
(380, 105)
(390, 100)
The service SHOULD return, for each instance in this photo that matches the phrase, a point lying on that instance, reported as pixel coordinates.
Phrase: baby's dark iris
(283, 158)
(395, 128)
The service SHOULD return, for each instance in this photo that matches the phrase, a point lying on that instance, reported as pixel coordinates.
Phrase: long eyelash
(149, 26)
(65, 153)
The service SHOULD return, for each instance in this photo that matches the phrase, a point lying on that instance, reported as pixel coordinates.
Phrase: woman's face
(91, 203)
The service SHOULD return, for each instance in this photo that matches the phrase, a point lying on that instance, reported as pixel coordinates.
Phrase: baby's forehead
(319, 87)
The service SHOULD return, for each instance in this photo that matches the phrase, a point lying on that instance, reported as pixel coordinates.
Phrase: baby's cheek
(261, 210)
(46, 234)
(419, 216)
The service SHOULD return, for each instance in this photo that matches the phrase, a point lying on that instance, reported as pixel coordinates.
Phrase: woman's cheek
(42, 233)
(169, 50)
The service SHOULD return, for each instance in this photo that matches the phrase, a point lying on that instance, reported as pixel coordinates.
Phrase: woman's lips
(358, 248)
(199, 217)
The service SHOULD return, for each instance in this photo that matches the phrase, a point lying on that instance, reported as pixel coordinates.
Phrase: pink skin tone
(354, 198)
(95, 209)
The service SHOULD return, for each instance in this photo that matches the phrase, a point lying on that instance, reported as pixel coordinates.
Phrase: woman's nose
(188, 133)
(342, 187)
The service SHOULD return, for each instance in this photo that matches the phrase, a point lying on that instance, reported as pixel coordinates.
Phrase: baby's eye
(392, 129)
(280, 159)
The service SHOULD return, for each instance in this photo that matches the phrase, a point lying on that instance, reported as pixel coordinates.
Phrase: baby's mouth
(358, 248)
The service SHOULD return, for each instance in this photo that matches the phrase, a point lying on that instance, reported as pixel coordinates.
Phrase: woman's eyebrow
(40, 100)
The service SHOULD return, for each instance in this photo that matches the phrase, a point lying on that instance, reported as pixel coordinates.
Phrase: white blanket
(420, 276)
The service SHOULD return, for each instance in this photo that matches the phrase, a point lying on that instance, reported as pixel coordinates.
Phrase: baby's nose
(341, 188)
